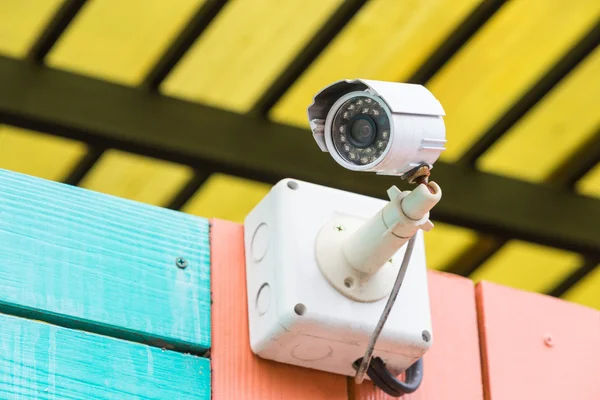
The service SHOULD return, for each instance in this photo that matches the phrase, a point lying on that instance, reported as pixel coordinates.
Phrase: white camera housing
(414, 134)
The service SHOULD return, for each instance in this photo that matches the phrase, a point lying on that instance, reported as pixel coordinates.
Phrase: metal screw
(426, 336)
(181, 262)
(340, 228)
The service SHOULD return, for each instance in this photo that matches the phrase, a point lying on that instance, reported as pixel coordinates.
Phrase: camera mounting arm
(359, 258)
(376, 242)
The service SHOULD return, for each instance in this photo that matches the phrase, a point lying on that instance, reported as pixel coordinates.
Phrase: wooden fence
(104, 298)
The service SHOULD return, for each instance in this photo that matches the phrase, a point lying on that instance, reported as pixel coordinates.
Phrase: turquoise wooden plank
(43, 361)
(94, 262)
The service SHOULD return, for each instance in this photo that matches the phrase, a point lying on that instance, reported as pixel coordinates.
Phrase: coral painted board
(237, 373)
(537, 346)
(452, 366)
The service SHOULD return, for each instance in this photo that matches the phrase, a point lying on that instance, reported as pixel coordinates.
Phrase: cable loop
(388, 383)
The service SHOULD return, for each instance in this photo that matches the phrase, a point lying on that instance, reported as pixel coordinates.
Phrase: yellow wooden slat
(120, 40)
(226, 197)
(586, 291)
(522, 41)
(137, 178)
(590, 183)
(37, 154)
(528, 266)
(444, 243)
(553, 130)
(244, 50)
(387, 40)
(22, 21)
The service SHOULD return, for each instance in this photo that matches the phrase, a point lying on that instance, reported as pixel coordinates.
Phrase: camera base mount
(354, 284)
(296, 316)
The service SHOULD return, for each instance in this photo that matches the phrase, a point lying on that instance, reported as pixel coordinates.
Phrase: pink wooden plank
(537, 347)
(237, 373)
(452, 365)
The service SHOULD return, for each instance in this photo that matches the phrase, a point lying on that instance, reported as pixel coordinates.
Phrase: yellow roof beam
(226, 197)
(528, 266)
(22, 22)
(385, 41)
(590, 183)
(556, 127)
(246, 47)
(37, 154)
(587, 290)
(120, 40)
(522, 41)
(445, 243)
(137, 178)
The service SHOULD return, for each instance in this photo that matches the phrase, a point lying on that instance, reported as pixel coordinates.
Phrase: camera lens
(361, 130)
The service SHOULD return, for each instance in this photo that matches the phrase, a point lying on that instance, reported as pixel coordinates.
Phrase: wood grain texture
(43, 361)
(89, 261)
(237, 373)
(536, 346)
(452, 365)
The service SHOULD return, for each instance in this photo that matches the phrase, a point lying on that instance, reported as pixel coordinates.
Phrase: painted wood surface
(452, 366)
(89, 261)
(536, 346)
(43, 361)
(237, 373)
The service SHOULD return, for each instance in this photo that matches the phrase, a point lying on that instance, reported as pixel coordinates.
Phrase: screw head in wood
(181, 262)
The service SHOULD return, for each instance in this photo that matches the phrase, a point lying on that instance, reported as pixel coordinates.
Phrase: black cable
(366, 360)
(375, 368)
(388, 383)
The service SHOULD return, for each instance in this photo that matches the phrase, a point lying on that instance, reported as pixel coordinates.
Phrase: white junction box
(296, 315)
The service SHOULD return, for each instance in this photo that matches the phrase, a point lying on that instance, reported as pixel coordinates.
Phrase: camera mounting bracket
(296, 316)
(352, 283)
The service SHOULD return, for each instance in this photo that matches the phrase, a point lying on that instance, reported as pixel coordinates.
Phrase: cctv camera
(320, 260)
(385, 127)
